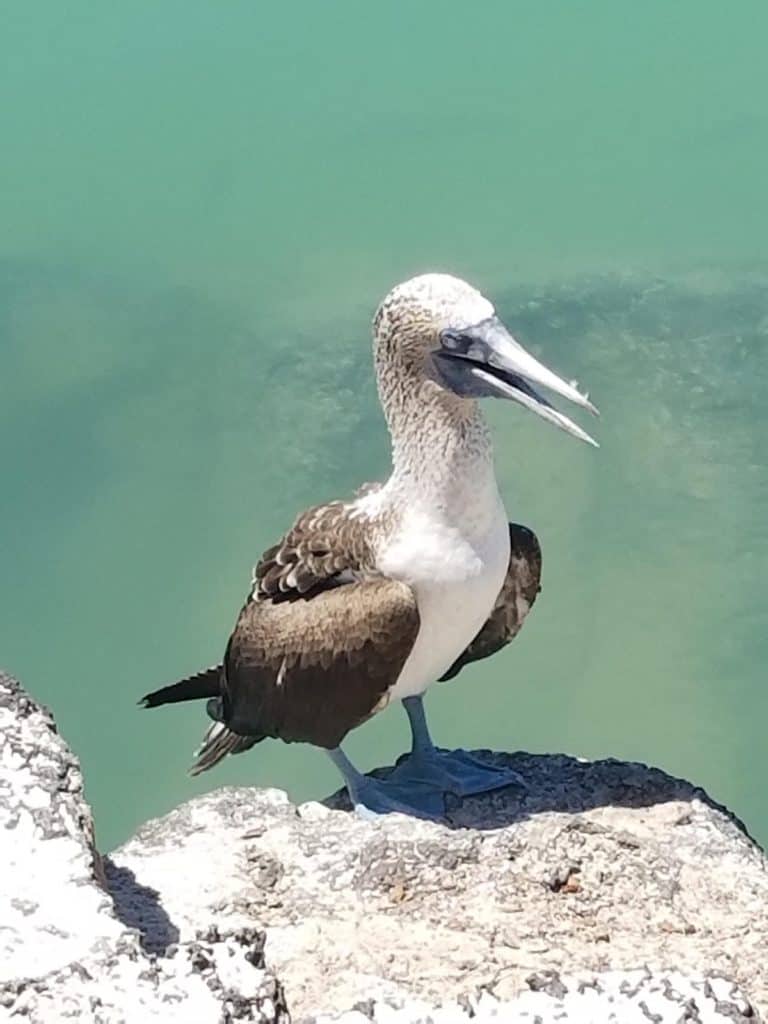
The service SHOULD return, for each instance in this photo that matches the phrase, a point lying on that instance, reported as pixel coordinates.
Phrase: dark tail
(219, 740)
(196, 687)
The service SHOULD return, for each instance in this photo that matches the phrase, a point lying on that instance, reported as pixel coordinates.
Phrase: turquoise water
(201, 205)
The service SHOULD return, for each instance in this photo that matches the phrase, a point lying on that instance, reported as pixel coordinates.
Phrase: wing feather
(319, 643)
(309, 671)
(324, 542)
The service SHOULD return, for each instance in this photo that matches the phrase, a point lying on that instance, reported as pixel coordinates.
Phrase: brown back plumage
(319, 642)
(310, 671)
(324, 543)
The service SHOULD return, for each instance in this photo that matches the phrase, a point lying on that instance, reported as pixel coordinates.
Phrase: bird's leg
(449, 771)
(421, 741)
(372, 797)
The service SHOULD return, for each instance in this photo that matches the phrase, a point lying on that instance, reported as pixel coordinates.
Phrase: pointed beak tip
(579, 434)
(581, 399)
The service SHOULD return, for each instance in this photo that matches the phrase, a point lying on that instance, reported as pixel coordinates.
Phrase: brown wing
(310, 671)
(319, 643)
(517, 597)
(325, 546)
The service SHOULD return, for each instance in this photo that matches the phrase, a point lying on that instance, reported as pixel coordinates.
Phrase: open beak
(484, 361)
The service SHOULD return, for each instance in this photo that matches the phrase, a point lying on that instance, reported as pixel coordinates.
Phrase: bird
(368, 601)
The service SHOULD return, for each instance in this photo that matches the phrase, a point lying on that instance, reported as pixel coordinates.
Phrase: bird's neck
(442, 457)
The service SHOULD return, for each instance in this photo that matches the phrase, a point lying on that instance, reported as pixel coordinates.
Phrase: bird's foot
(453, 771)
(373, 797)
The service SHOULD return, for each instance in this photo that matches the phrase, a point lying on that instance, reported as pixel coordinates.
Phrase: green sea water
(201, 205)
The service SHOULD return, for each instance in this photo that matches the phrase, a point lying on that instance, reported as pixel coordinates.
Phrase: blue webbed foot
(374, 797)
(454, 771)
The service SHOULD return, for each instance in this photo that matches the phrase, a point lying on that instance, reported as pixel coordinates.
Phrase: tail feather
(217, 743)
(219, 740)
(201, 684)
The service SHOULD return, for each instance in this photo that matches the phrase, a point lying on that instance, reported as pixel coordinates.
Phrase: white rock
(64, 953)
(609, 892)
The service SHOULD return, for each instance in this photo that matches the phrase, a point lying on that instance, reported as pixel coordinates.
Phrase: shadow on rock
(138, 906)
(559, 783)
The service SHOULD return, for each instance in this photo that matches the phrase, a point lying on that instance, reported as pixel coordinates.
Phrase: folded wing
(319, 643)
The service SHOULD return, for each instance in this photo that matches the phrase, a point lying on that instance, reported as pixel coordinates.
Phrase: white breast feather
(456, 580)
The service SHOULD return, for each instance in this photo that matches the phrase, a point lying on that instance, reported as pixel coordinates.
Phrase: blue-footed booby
(369, 601)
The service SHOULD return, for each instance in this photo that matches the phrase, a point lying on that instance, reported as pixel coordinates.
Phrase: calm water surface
(201, 205)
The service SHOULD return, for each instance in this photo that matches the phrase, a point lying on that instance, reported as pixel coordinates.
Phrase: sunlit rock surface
(601, 866)
(608, 892)
(64, 953)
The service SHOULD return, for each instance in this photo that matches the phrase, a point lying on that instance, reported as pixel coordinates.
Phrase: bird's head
(441, 329)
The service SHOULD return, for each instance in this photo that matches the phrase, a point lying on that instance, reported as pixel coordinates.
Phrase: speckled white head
(434, 301)
(438, 330)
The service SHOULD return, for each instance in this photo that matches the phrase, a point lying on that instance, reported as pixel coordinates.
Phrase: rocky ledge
(608, 892)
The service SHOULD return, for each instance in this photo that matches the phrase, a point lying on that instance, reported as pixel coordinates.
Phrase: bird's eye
(464, 343)
(453, 340)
